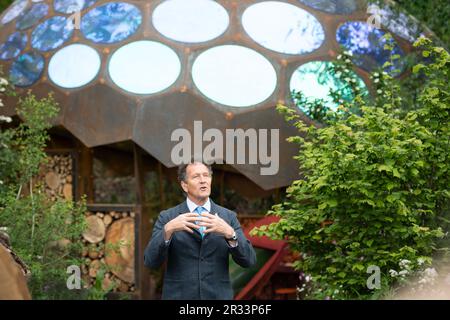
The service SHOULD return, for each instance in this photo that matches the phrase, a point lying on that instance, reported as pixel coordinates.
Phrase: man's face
(198, 181)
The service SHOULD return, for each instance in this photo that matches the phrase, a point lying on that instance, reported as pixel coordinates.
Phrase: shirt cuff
(232, 245)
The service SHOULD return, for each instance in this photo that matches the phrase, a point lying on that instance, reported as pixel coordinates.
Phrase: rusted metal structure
(98, 56)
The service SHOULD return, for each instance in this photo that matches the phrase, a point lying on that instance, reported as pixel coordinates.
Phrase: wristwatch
(233, 238)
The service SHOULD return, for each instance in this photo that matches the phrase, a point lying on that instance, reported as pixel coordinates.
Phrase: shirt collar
(192, 206)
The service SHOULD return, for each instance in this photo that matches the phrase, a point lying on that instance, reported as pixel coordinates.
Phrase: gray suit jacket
(196, 268)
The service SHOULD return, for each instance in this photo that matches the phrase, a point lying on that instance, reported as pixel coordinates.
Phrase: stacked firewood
(109, 250)
(56, 175)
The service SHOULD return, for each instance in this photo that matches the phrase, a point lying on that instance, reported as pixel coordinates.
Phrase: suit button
(201, 259)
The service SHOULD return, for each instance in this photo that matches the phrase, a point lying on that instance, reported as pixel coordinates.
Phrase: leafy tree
(45, 234)
(374, 190)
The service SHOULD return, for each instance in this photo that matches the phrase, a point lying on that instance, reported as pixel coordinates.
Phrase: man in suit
(196, 238)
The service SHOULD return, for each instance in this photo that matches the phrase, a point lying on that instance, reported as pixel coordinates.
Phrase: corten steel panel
(101, 113)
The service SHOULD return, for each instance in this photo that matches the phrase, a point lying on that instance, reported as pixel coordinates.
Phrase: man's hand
(214, 223)
(184, 222)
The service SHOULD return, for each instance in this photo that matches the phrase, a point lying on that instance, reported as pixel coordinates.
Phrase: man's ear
(184, 186)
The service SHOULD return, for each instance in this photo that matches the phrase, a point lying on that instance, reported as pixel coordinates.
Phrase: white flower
(308, 278)
(403, 272)
(339, 57)
(347, 60)
(349, 53)
(376, 74)
(347, 79)
(6, 119)
(393, 273)
(1, 103)
(3, 81)
(420, 261)
(2, 89)
(338, 74)
(376, 80)
(379, 91)
(404, 264)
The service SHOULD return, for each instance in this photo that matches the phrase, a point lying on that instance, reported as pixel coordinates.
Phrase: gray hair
(183, 168)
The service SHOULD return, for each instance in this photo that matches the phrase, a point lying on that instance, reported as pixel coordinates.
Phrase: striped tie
(200, 210)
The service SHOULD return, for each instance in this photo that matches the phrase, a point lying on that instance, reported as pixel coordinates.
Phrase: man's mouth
(203, 188)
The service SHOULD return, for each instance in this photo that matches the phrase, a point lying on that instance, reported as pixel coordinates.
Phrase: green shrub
(375, 186)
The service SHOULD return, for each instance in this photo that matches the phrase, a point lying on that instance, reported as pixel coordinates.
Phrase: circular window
(144, 67)
(366, 43)
(111, 22)
(27, 69)
(51, 33)
(315, 81)
(30, 17)
(234, 76)
(332, 6)
(13, 12)
(283, 27)
(74, 66)
(190, 21)
(13, 46)
(70, 6)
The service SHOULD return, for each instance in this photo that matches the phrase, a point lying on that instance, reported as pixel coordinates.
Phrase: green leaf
(396, 173)
(417, 68)
(383, 167)
(331, 269)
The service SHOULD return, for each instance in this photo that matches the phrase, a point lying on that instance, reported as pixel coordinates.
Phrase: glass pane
(70, 6)
(32, 16)
(144, 67)
(13, 46)
(74, 66)
(333, 6)
(314, 81)
(283, 27)
(366, 43)
(190, 21)
(234, 76)
(400, 24)
(27, 69)
(111, 22)
(51, 33)
(14, 10)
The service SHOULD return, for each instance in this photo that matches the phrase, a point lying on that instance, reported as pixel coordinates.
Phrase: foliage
(434, 14)
(45, 234)
(375, 186)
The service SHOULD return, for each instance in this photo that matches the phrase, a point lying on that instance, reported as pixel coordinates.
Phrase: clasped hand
(186, 222)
